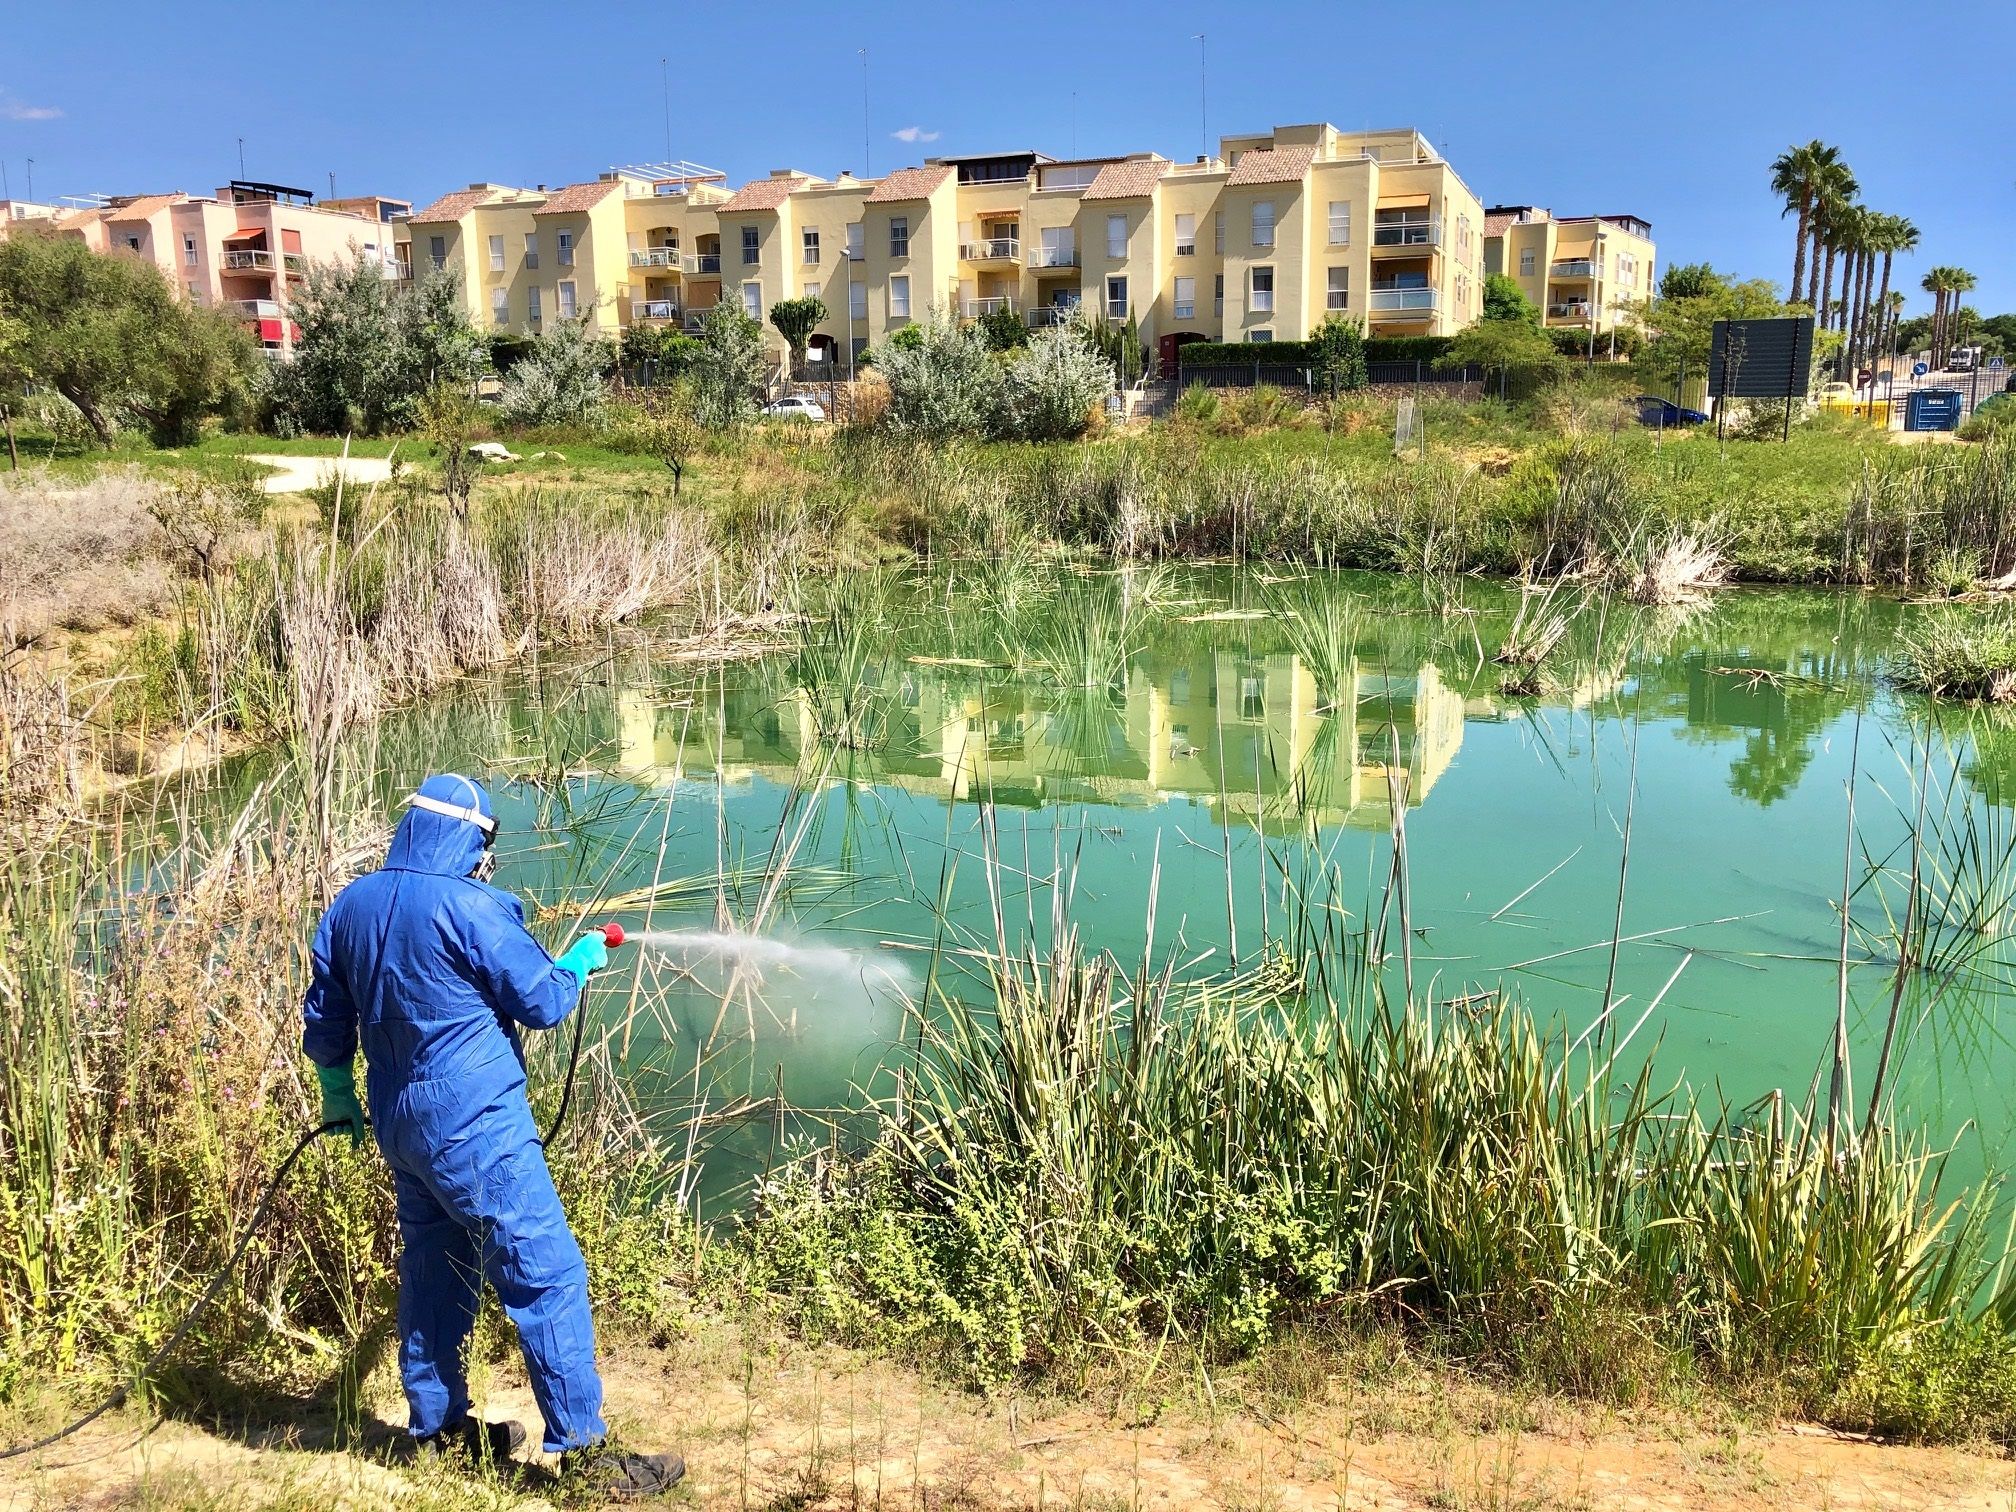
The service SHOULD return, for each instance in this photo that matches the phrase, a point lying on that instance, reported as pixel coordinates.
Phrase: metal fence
(1292, 375)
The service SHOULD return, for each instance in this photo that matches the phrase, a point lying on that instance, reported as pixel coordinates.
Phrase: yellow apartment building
(1262, 241)
(1582, 271)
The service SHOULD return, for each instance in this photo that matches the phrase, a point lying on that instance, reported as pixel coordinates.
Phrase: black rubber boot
(618, 1475)
(473, 1441)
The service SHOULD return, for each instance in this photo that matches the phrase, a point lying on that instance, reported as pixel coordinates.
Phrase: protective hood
(431, 842)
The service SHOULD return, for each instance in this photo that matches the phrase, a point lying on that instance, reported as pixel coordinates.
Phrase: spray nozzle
(612, 934)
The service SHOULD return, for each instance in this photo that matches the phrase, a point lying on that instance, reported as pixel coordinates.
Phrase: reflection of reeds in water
(841, 662)
(1083, 636)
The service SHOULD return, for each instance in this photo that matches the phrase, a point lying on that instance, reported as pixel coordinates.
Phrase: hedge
(1301, 353)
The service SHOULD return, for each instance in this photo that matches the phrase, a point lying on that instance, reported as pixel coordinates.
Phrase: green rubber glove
(339, 1100)
(585, 956)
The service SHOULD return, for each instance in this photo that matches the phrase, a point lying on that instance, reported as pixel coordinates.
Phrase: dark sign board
(1761, 359)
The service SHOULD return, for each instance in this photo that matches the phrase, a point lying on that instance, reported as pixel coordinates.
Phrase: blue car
(1658, 413)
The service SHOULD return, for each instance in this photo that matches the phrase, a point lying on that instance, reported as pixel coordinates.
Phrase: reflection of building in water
(1241, 734)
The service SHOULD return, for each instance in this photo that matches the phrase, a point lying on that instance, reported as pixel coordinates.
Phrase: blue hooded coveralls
(434, 971)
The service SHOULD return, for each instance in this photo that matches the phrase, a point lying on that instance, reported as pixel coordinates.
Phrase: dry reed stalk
(1677, 570)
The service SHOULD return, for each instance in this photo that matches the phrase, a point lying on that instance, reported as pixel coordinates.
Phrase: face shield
(486, 865)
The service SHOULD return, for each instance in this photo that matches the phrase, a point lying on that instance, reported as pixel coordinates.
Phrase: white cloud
(20, 110)
(914, 134)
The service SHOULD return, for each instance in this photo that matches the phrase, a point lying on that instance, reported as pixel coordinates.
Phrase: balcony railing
(296, 262)
(1576, 312)
(403, 271)
(1054, 257)
(703, 262)
(1392, 301)
(656, 257)
(248, 262)
(654, 309)
(1415, 231)
(978, 307)
(1573, 267)
(258, 309)
(1051, 315)
(991, 249)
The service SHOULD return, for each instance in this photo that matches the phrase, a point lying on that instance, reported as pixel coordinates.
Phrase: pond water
(1201, 734)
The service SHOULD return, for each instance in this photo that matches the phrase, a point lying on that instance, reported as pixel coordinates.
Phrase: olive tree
(562, 380)
(1054, 386)
(728, 366)
(946, 385)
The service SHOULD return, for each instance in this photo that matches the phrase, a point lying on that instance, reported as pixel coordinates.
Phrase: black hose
(209, 1295)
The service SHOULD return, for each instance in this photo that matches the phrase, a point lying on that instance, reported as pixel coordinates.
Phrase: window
(500, 302)
(132, 244)
(1116, 298)
(1463, 237)
(437, 251)
(1218, 232)
(195, 292)
(531, 249)
(532, 305)
(810, 237)
(752, 246)
(857, 300)
(856, 242)
(752, 299)
(189, 250)
(1263, 290)
(1186, 298)
(564, 297)
(899, 243)
(1340, 223)
(1060, 247)
(1262, 335)
(811, 289)
(563, 253)
(1252, 698)
(1116, 236)
(496, 254)
(1263, 223)
(1526, 262)
(1186, 236)
(1218, 295)
(899, 294)
(1072, 176)
(1337, 292)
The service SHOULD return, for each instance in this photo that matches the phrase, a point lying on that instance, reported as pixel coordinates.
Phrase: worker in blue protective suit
(432, 970)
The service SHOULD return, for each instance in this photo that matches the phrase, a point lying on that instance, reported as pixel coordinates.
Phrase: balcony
(296, 262)
(1407, 231)
(654, 309)
(703, 262)
(1391, 301)
(1051, 315)
(402, 271)
(257, 309)
(248, 262)
(656, 257)
(975, 308)
(1054, 257)
(1574, 267)
(991, 249)
(1574, 312)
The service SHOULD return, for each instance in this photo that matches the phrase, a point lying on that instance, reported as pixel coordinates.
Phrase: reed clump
(1965, 654)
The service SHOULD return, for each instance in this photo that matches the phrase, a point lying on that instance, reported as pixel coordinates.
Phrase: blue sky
(1669, 111)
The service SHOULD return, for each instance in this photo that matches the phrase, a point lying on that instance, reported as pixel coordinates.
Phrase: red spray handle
(612, 934)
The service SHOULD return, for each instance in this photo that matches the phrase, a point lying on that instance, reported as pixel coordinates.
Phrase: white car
(794, 407)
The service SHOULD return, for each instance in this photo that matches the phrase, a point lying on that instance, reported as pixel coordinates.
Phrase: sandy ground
(765, 1424)
(298, 474)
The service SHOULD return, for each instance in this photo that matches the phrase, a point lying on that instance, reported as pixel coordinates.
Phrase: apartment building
(1582, 271)
(1262, 241)
(245, 248)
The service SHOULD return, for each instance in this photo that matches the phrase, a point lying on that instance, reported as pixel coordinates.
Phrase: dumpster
(1934, 409)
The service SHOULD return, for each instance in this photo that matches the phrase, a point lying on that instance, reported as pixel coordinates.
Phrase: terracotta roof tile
(451, 207)
(1272, 165)
(909, 184)
(1495, 225)
(762, 194)
(1130, 178)
(575, 198)
(143, 205)
(77, 220)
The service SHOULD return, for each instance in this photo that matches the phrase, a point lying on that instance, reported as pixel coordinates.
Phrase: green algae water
(947, 750)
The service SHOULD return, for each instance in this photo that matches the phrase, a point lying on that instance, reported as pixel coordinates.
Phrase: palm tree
(1940, 283)
(1891, 317)
(1894, 234)
(1835, 198)
(1963, 319)
(1796, 176)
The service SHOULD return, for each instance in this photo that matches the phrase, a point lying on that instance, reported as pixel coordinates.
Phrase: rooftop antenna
(5, 192)
(665, 88)
(1074, 123)
(31, 180)
(241, 157)
(1203, 115)
(332, 183)
(866, 170)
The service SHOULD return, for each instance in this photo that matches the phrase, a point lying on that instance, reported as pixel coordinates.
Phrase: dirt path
(765, 1424)
(299, 474)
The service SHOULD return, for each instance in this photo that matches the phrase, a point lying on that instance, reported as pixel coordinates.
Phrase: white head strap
(470, 815)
